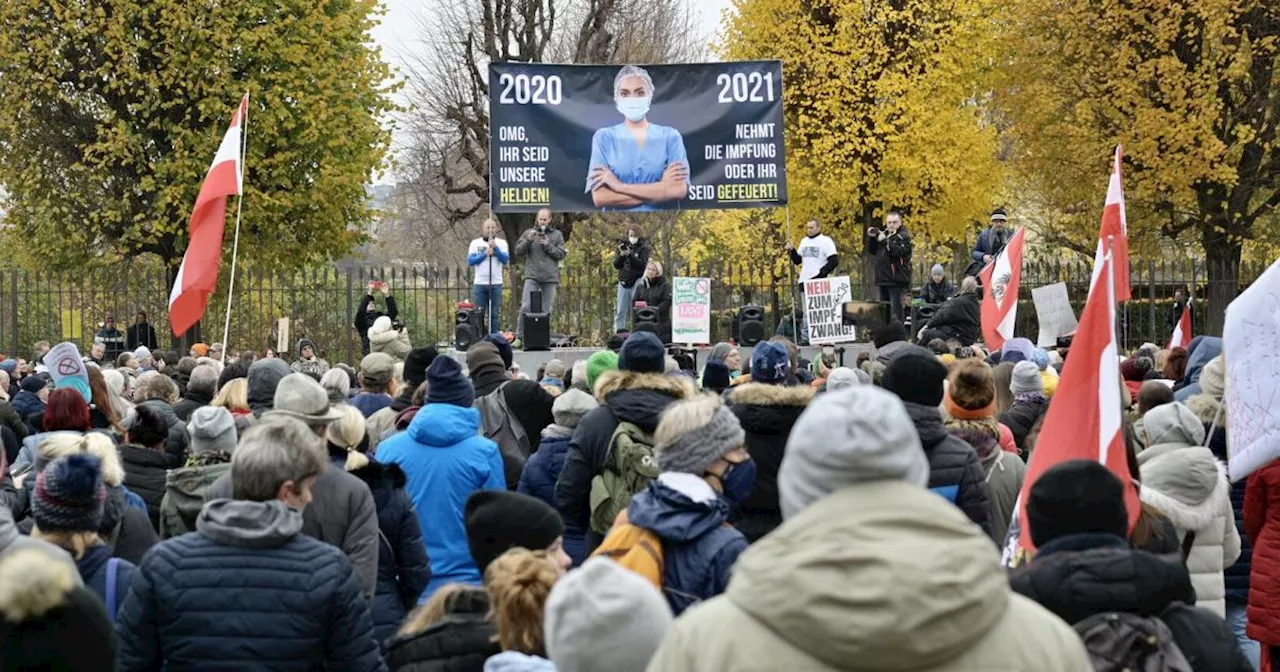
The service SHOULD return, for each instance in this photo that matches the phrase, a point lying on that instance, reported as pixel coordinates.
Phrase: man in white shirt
(817, 258)
(489, 255)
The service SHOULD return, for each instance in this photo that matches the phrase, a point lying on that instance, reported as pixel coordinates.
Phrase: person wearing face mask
(636, 164)
(542, 248)
(704, 473)
(631, 260)
(489, 256)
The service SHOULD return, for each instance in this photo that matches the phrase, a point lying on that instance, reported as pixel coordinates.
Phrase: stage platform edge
(530, 361)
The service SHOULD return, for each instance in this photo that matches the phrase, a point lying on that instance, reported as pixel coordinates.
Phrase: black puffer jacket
(638, 398)
(144, 473)
(459, 643)
(955, 472)
(767, 413)
(403, 568)
(893, 259)
(959, 318)
(1080, 575)
(1022, 416)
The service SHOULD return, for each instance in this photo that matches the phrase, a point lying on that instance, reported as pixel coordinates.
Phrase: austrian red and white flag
(1116, 228)
(198, 275)
(1000, 280)
(1084, 419)
(1182, 332)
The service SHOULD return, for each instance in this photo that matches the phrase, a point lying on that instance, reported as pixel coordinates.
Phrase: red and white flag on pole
(1116, 228)
(198, 275)
(1000, 281)
(1182, 332)
(1084, 419)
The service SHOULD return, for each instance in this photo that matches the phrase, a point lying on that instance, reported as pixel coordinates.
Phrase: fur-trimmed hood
(382, 479)
(1207, 409)
(611, 382)
(31, 585)
(760, 394)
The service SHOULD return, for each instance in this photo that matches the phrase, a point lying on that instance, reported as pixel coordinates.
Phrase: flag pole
(791, 278)
(235, 245)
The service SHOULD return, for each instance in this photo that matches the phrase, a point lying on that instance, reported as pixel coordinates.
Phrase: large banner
(579, 138)
(1253, 376)
(691, 320)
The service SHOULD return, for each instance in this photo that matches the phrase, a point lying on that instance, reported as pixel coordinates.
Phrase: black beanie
(1075, 497)
(498, 520)
(915, 375)
(885, 334)
(415, 365)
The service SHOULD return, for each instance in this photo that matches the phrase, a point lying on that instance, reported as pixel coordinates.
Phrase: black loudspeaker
(537, 331)
(750, 325)
(646, 319)
(468, 327)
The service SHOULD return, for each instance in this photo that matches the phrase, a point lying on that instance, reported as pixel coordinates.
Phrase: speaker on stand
(749, 327)
(468, 327)
(646, 319)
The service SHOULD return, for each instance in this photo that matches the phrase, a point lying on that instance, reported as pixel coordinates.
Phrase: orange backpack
(634, 547)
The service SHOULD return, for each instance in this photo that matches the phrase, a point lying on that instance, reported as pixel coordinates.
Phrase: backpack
(501, 427)
(1120, 642)
(636, 548)
(113, 568)
(629, 466)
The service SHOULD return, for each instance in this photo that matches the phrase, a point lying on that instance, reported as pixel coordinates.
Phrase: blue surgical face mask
(634, 109)
(738, 481)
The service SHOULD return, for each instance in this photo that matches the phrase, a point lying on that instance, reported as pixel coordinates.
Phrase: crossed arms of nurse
(610, 192)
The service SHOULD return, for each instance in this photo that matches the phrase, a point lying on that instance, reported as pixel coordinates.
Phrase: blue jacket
(1205, 350)
(93, 571)
(247, 591)
(403, 568)
(27, 405)
(445, 459)
(539, 479)
(699, 546)
(369, 403)
(986, 244)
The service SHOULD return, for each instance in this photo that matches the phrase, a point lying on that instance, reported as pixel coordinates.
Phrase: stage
(531, 361)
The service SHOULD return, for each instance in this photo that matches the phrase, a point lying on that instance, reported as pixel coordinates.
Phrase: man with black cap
(341, 511)
(415, 374)
(1084, 566)
(955, 472)
(990, 241)
(636, 393)
(498, 521)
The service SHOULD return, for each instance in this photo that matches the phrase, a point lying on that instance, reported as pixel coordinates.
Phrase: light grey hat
(300, 396)
(843, 438)
(842, 377)
(569, 408)
(1026, 378)
(937, 270)
(602, 616)
(554, 368)
(212, 429)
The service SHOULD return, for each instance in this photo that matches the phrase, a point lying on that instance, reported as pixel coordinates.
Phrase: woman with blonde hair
(655, 292)
(403, 567)
(518, 583)
(234, 396)
(451, 631)
(125, 526)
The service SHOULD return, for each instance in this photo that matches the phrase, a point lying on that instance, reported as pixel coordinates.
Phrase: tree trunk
(1222, 257)
(868, 260)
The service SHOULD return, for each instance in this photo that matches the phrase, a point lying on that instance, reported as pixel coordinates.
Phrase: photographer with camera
(368, 312)
(488, 255)
(631, 260)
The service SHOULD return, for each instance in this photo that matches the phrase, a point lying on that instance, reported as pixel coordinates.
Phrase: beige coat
(878, 576)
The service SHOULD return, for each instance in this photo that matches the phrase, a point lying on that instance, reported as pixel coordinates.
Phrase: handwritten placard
(691, 319)
(1249, 339)
(823, 310)
(1054, 313)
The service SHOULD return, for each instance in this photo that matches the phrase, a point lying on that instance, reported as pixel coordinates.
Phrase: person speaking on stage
(892, 249)
(816, 256)
(489, 256)
(542, 248)
(636, 164)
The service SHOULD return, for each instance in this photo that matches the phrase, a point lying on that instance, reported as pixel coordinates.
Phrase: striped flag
(1084, 420)
(1000, 281)
(1116, 228)
(1182, 331)
(198, 275)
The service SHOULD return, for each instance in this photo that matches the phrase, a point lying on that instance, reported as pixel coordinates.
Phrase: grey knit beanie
(694, 451)
(1026, 378)
(602, 616)
(570, 407)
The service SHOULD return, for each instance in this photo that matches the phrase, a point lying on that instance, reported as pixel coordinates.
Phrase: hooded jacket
(1022, 416)
(1004, 471)
(539, 480)
(367, 313)
(638, 398)
(144, 473)
(444, 460)
(767, 413)
(880, 576)
(403, 568)
(316, 366)
(955, 472)
(191, 400)
(264, 376)
(268, 596)
(1080, 575)
(93, 566)
(175, 447)
(28, 404)
(699, 547)
(959, 318)
(1201, 354)
(383, 337)
(1185, 482)
(185, 492)
(461, 642)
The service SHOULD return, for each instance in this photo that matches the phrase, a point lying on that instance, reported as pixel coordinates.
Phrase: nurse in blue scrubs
(636, 165)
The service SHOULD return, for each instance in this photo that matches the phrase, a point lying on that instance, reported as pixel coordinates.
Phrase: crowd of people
(422, 511)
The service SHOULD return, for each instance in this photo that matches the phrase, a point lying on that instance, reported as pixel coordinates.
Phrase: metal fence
(320, 303)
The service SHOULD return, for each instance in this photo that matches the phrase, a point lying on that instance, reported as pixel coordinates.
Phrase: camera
(397, 325)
